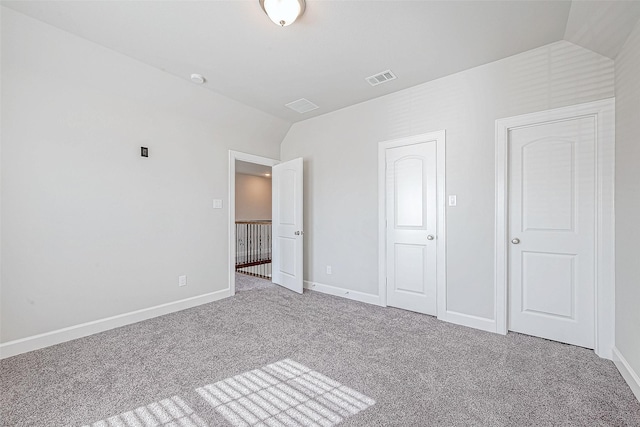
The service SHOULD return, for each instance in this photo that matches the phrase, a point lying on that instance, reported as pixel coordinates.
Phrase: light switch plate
(453, 200)
(217, 203)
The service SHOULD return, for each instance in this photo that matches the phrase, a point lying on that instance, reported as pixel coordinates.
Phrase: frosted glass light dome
(283, 12)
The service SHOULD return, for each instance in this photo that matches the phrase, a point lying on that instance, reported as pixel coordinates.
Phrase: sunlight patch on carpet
(172, 412)
(284, 393)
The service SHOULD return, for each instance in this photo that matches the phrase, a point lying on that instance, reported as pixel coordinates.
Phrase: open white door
(287, 224)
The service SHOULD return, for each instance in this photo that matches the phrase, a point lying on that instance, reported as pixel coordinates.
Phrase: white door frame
(603, 113)
(244, 157)
(441, 262)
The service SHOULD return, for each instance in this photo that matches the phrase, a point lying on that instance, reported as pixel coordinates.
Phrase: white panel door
(287, 224)
(411, 210)
(551, 230)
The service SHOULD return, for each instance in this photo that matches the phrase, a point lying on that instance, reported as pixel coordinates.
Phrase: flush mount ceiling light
(283, 12)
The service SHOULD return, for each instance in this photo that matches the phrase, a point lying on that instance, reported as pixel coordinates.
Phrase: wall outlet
(182, 280)
(217, 203)
(329, 269)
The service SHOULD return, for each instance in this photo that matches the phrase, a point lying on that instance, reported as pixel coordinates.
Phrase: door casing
(441, 262)
(604, 114)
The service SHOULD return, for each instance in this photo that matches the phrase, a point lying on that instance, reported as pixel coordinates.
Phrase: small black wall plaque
(144, 151)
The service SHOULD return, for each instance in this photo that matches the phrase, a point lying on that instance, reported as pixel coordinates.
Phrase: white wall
(627, 71)
(253, 197)
(340, 152)
(90, 228)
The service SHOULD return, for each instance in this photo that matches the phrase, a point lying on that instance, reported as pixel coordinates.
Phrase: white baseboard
(35, 342)
(468, 320)
(629, 375)
(341, 292)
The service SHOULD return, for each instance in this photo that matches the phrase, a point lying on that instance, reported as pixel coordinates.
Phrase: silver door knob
(298, 233)
(430, 237)
(515, 241)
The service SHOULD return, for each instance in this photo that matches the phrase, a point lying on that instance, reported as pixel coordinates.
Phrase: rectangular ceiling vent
(302, 105)
(382, 77)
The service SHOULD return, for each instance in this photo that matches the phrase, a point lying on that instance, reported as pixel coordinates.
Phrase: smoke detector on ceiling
(301, 105)
(197, 78)
(382, 77)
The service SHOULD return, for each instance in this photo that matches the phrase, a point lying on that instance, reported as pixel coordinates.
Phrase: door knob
(298, 233)
(515, 241)
(430, 237)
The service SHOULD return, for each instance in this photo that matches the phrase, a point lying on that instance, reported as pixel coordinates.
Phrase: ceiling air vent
(382, 77)
(302, 105)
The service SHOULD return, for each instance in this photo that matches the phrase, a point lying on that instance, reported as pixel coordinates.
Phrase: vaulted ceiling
(326, 55)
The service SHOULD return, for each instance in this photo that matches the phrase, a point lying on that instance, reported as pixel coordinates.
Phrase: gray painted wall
(253, 197)
(627, 197)
(90, 228)
(340, 152)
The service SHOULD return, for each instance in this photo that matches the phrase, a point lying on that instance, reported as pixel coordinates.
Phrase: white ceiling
(255, 169)
(326, 55)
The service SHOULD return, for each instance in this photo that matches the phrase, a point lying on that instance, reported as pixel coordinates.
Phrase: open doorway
(287, 238)
(253, 226)
(248, 172)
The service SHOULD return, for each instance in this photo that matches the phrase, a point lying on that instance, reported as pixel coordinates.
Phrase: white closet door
(551, 230)
(411, 212)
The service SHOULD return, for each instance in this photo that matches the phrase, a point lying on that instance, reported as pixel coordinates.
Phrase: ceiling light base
(283, 12)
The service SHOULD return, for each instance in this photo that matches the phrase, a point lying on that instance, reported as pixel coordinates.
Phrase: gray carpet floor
(244, 282)
(402, 368)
